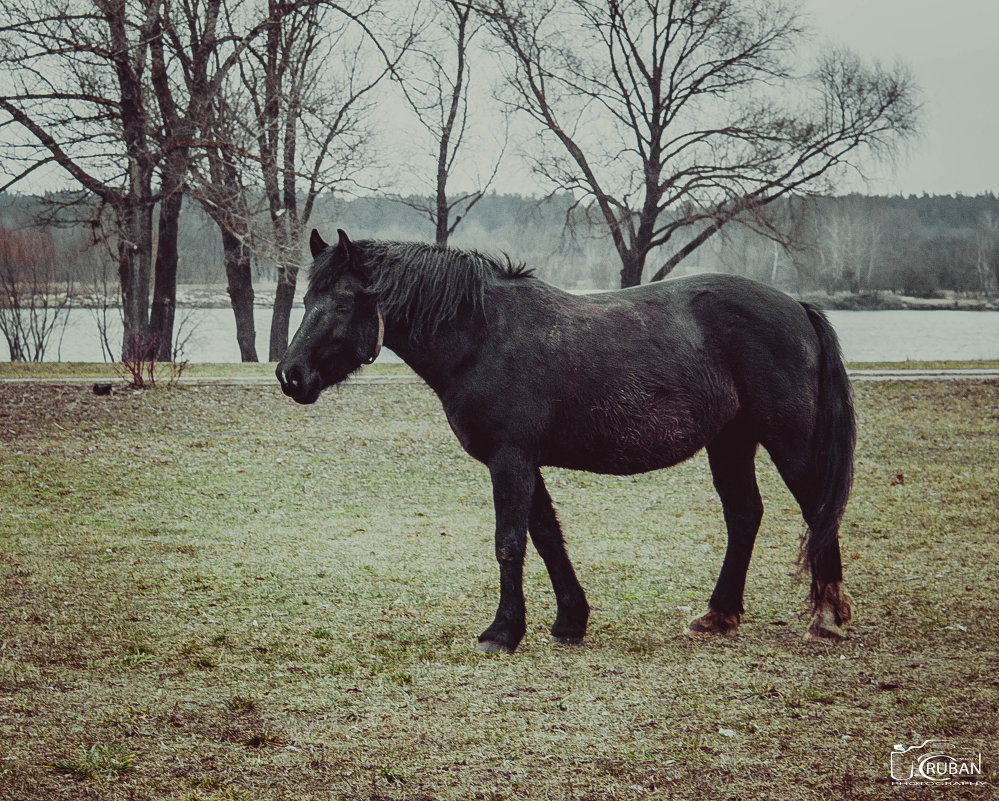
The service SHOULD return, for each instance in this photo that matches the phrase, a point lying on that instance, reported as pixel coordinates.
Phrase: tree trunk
(441, 234)
(237, 269)
(632, 266)
(442, 213)
(165, 277)
(281, 319)
(687, 249)
(134, 267)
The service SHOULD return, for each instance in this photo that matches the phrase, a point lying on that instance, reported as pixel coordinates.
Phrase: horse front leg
(513, 477)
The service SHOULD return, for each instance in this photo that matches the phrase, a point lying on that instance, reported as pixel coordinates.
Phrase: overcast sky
(952, 48)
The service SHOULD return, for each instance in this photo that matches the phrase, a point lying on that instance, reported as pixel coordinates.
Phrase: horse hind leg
(832, 607)
(832, 610)
(732, 456)
(546, 534)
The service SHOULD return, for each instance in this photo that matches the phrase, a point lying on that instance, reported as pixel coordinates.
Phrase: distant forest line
(928, 246)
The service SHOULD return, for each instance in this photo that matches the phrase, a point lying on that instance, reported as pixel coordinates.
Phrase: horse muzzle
(299, 383)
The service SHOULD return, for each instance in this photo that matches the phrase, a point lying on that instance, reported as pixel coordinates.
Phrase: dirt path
(899, 374)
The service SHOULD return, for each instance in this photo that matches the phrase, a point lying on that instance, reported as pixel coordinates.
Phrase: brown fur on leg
(714, 623)
(832, 609)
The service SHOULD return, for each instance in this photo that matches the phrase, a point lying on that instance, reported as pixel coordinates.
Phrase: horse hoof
(561, 640)
(490, 647)
(827, 624)
(713, 623)
(697, 634)
(825, 632)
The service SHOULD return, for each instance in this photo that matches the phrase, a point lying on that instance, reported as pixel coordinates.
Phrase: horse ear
(316, 243)
(346, 247)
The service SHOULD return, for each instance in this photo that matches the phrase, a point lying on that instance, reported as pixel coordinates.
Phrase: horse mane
(422, 284)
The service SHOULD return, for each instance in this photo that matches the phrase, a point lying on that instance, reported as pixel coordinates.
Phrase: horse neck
(434, 357)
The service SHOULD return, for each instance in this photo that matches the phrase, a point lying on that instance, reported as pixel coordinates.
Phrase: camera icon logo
(935, 762)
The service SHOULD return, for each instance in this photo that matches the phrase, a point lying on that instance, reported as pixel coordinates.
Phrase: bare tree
(310, 78)
(987, 251)
(100, 286)
(32, 305)
(848, 237)
(217, 184)
(191, 61)
(204, 159)
(436, 85)
(670, 119)
(117, 93)
(180, 116)
(77, 92)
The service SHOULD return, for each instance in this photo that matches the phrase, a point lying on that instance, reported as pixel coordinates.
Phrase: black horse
(617, 382)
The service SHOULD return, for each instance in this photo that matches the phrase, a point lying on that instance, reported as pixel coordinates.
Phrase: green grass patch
(100, 759)
(222, 595)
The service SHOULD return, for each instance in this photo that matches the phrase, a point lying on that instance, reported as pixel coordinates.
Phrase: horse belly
(625, 438)
(596, 455)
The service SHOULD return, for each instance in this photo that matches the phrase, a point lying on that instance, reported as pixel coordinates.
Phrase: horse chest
(476, 426)
(464, 435)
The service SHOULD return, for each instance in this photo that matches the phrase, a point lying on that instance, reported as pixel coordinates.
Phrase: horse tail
(832, 450)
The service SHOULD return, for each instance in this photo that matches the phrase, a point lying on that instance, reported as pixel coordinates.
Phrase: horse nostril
(299, 381)
(291, 378)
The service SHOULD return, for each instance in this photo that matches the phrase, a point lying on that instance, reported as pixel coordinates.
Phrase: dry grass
(214, 594)
(110, 371)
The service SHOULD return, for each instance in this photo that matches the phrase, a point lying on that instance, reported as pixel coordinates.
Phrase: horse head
(342, 328)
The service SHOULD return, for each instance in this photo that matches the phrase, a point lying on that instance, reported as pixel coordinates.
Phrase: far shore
(205, 296)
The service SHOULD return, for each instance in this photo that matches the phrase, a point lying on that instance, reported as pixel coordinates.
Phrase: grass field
(210, 593)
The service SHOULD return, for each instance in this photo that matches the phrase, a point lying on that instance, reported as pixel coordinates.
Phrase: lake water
(866, 336)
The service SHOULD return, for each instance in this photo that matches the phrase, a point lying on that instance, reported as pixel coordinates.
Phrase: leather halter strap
(381, 337)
